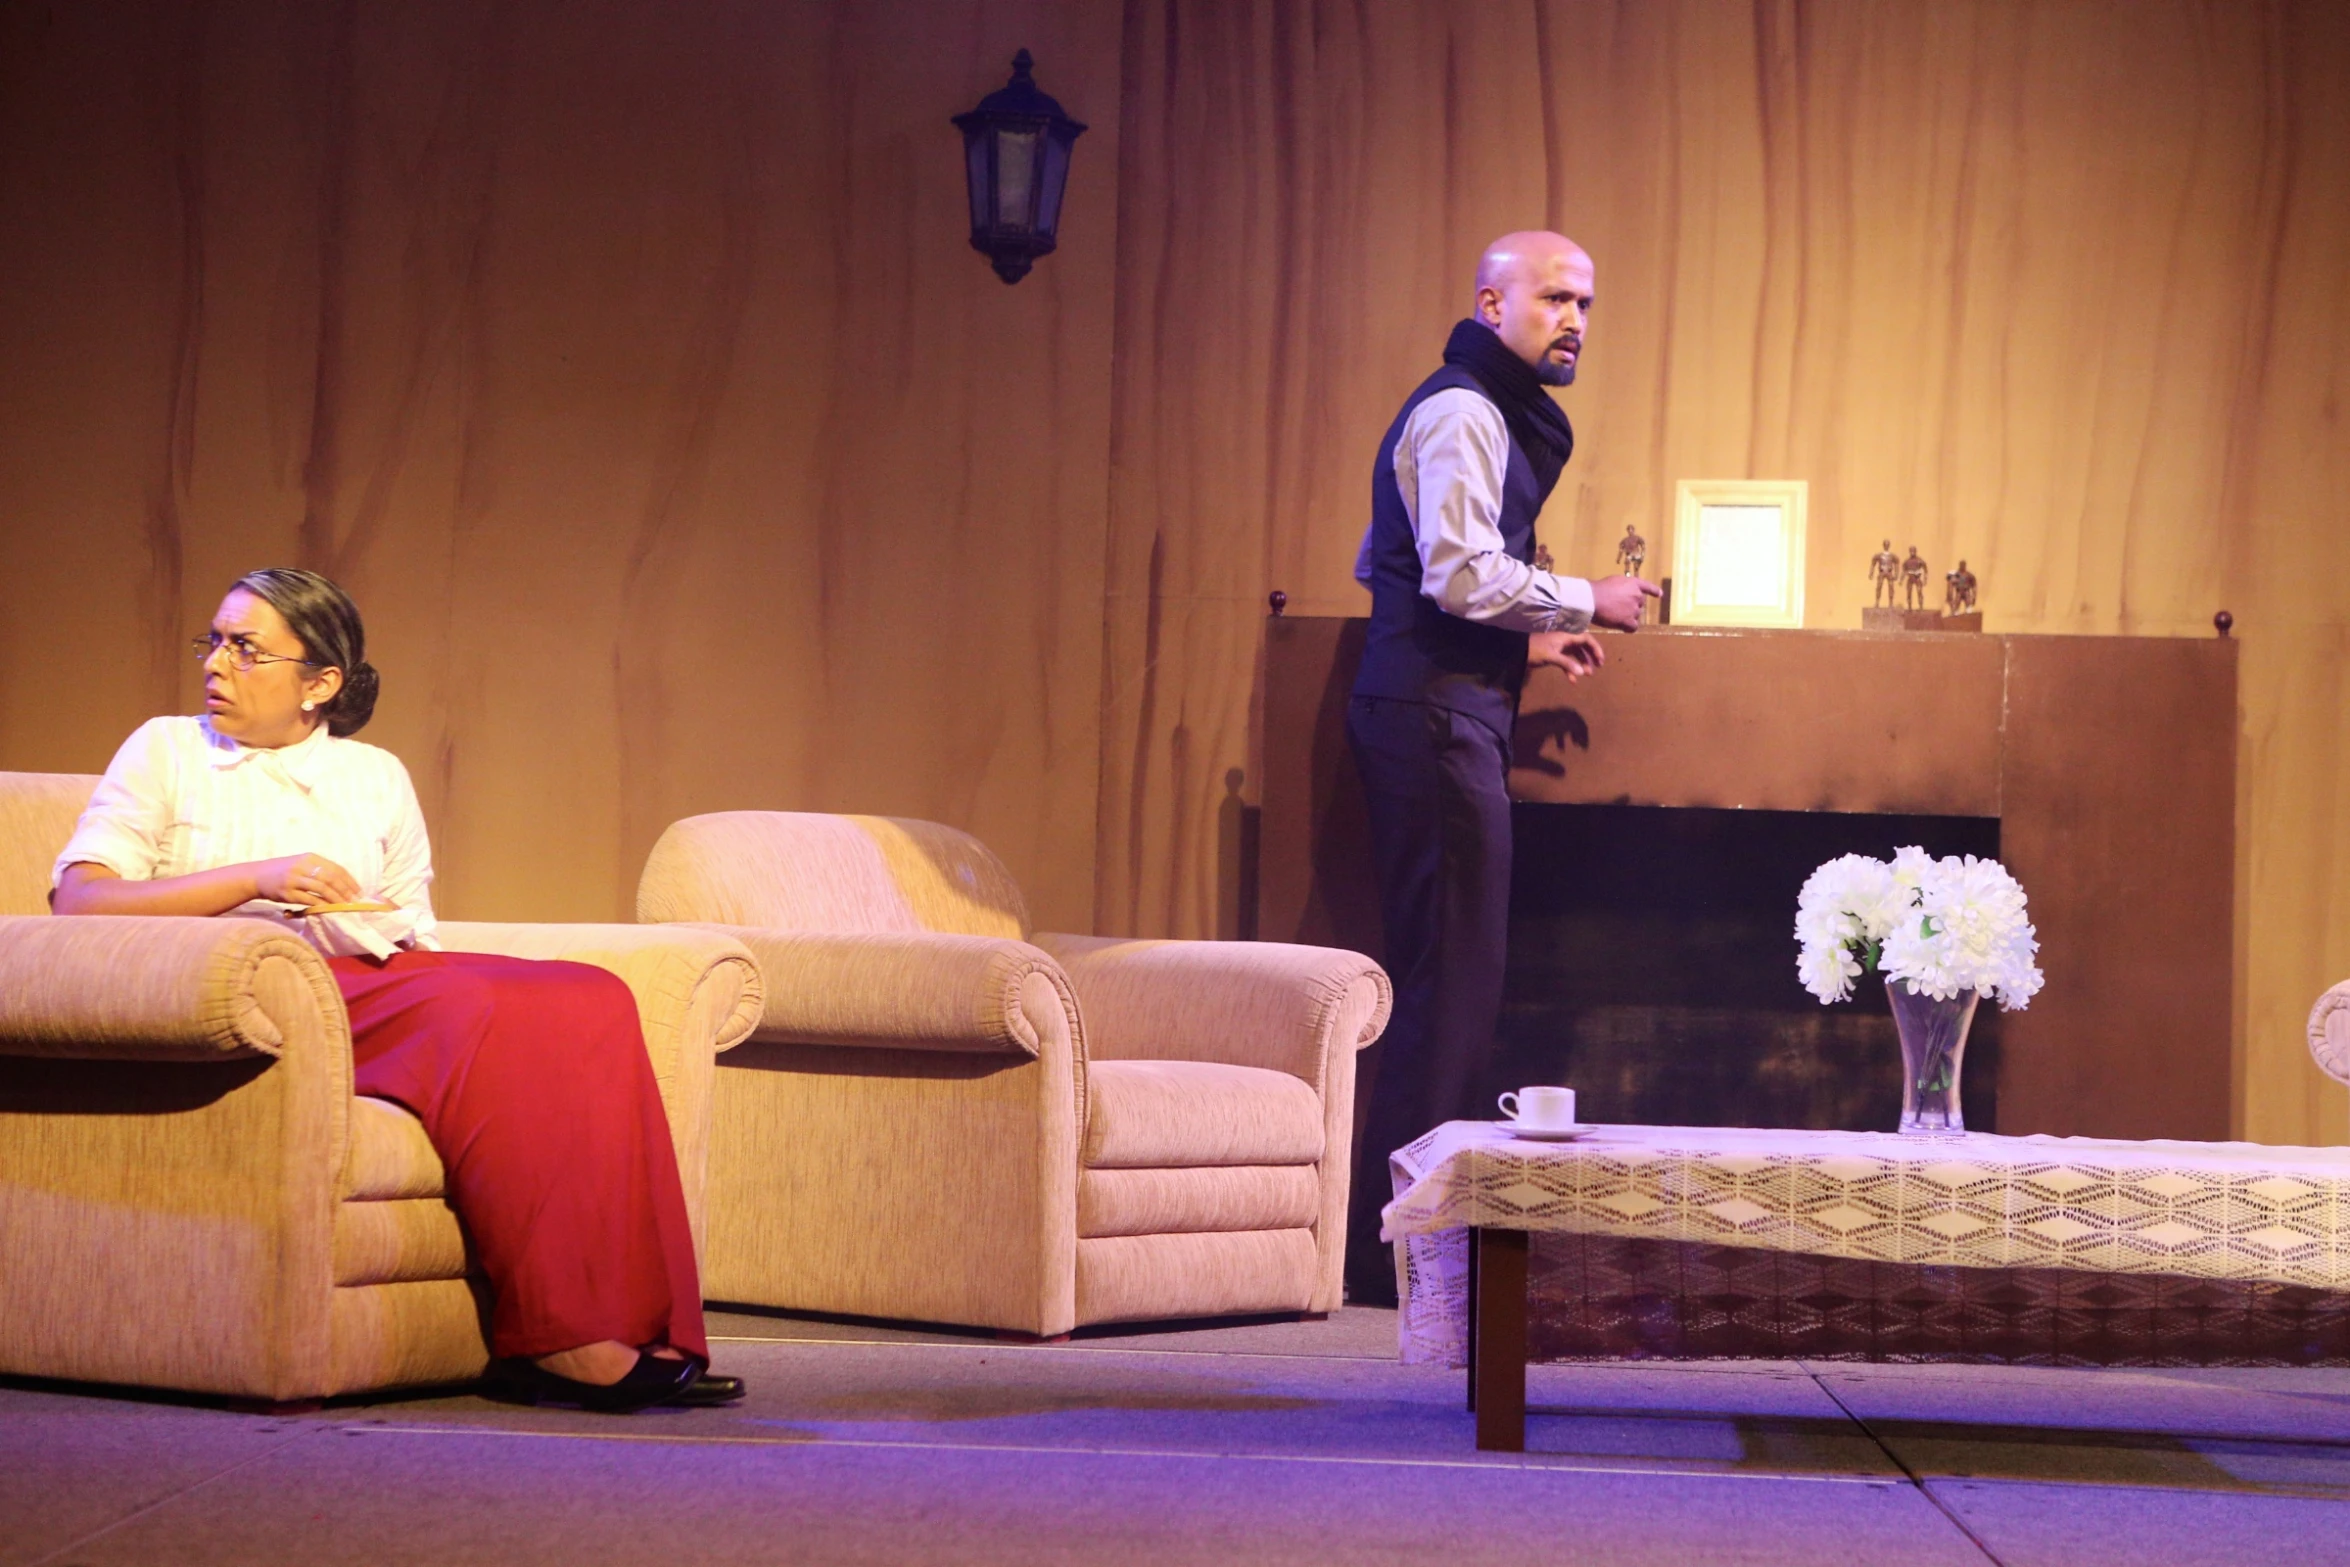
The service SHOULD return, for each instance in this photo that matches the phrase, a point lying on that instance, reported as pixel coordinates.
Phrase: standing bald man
(1458, 614)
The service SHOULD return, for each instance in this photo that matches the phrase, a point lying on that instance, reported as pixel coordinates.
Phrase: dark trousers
(1436, 783)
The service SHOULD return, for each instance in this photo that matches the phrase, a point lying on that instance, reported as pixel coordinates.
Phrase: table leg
(1497, 1344)
(1471, 1329)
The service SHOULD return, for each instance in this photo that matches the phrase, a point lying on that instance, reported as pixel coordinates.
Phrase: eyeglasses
(242, 654)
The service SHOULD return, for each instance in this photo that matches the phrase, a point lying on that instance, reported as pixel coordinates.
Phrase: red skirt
(532, 1082)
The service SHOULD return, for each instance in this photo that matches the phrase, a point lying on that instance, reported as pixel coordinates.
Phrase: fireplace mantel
(2109, 763)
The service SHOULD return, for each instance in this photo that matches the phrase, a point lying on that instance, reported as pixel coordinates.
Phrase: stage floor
(1277, 1442)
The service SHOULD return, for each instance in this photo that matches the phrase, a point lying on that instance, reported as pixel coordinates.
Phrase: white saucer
(1547, 1134)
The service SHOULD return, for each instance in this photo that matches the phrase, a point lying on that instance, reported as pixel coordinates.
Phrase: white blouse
(179, 798)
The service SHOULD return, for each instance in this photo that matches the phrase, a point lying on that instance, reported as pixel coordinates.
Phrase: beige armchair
(944, 1117)
(191, 1195)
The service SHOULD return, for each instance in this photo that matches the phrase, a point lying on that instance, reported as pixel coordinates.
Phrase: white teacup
(1542, 1109)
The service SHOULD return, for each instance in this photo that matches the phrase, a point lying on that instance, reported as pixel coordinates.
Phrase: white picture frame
(1738, 552)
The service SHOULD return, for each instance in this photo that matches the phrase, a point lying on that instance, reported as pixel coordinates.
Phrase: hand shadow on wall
(1553, 728)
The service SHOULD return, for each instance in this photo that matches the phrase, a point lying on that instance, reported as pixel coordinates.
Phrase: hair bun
(348, 713)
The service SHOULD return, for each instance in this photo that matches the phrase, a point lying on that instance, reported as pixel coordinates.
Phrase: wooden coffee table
(2210, 1211)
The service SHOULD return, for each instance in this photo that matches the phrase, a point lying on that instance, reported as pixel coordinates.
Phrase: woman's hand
(306, 879)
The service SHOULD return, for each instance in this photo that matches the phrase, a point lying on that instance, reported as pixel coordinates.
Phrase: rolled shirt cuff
(131, 861)
(1575, 604)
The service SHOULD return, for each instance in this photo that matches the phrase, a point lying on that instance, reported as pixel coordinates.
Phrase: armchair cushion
(2329, 1032)
(391, 1158)
(903, 990)
(1207, 1200)
(1177, 1114)
(415, 1240)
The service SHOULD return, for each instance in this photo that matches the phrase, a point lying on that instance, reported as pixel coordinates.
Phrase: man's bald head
(1534, 289)
(1513, 254)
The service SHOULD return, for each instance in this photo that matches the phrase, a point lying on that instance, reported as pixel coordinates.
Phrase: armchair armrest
(2329, 1032)
(1243, 1003)
(904, 991)
(175, 1151)
(143, 988)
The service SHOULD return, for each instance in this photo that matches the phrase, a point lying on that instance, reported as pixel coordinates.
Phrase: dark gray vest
(1415, 652)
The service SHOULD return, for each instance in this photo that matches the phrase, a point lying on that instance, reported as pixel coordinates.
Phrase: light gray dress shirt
(1449, 463)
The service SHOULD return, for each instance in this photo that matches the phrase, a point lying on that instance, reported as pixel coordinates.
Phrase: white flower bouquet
(1944, 926)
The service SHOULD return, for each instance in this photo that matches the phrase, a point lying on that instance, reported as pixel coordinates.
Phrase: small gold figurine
(1631, 551)
(1958, 592)
(1913, 580)
(1884, 572)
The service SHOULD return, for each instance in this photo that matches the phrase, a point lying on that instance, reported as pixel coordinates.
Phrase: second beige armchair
(944, 1116)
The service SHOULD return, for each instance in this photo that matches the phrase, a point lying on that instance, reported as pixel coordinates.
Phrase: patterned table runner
(2169, 1212)
(2201, 1210)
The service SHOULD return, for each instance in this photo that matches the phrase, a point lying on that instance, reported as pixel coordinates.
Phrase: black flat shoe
(707, 1391)
(650, 1381)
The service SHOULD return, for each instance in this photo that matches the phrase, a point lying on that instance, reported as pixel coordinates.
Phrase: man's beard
(1555, 375)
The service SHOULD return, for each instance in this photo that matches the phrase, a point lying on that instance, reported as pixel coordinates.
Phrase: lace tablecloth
(2181, 1211)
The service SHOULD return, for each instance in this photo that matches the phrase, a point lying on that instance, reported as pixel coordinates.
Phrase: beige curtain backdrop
(629, 364)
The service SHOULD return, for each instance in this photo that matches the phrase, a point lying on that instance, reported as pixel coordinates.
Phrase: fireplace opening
(1652, 969)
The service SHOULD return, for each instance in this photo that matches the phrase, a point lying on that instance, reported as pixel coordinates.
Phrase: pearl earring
(307, 706)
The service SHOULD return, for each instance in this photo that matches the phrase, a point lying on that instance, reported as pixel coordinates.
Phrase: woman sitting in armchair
(531, 1078)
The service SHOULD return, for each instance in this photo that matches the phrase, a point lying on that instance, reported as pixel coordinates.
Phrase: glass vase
(1933, 1049)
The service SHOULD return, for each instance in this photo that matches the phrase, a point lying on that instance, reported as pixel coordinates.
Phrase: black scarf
(1534, 421)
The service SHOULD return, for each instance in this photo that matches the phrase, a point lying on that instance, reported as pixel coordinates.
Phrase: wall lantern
(1016, 150)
